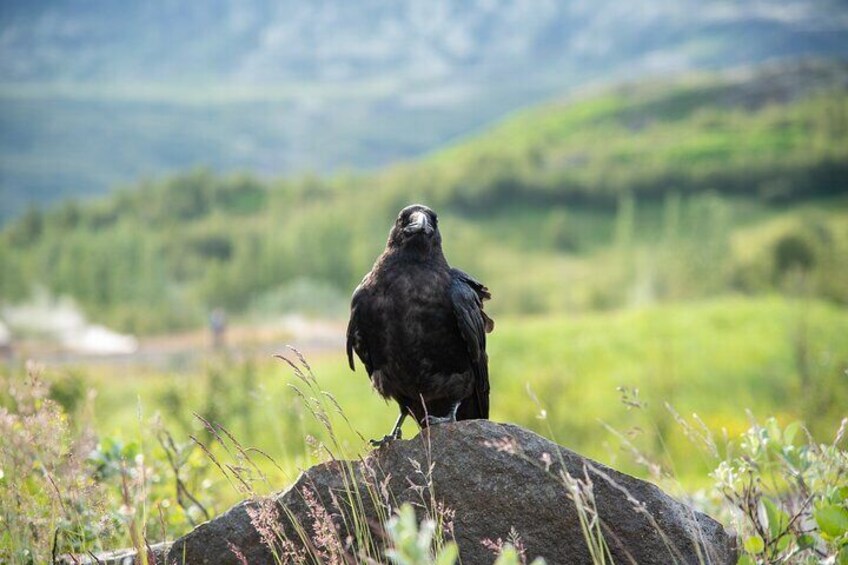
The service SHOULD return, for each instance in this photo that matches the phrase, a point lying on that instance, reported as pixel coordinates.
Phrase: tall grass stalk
(364, 491)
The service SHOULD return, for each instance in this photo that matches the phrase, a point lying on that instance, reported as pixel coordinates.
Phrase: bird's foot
(431, 420)
(388, 438)
(436, 420)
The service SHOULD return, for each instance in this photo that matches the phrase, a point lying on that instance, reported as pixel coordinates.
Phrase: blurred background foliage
(682, 189)
(687, 238)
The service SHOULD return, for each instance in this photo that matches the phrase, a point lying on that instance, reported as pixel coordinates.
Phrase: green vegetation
(648, 141)
(720, 358)
(672, 191)
(683, 243)
(790, 496)
(596, 383)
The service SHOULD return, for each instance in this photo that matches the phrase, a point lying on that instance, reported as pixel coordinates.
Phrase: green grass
(729, 360)
(716, 358)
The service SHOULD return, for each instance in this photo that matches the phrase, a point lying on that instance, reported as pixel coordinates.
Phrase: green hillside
(752, 136)
(642, 193)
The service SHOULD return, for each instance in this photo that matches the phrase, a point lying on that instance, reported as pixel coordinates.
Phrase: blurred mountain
(97, 93)
(262, 42)
(682, 188)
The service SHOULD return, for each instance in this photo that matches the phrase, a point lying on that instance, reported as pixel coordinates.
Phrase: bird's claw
(386, 439)
(431, 420)
(436, 420)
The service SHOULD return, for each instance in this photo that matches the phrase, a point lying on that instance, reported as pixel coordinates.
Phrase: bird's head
(416, 228)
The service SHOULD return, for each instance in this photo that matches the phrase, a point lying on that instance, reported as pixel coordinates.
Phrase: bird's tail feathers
(475, 407)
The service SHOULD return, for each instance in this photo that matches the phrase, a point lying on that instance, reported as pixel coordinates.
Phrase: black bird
(419, 328)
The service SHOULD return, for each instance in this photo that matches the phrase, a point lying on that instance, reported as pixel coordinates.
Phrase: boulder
(488, 481)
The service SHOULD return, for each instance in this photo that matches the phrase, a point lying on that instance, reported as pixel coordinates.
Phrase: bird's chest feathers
(415, 310)
(415, 291)
(420, 351)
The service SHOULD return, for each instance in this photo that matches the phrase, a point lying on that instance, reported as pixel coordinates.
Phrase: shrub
(49, 502)
(63, 490)
(788, 495)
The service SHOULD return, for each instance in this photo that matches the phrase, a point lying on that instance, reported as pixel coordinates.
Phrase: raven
(419, 328)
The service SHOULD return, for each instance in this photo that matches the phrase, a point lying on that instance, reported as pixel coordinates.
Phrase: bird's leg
(431, 420)
(396, 431)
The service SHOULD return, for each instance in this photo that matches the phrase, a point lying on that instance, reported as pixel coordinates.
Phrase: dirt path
(182, 350)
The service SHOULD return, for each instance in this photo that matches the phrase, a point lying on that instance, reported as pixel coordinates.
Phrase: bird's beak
(418, 222)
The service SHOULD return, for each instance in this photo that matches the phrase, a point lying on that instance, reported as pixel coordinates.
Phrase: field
(717, 358)
(597, 383)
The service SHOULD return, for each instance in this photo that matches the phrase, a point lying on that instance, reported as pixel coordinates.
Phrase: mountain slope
(775, 133)
(668, 190)
(93, 94)
(262, 42)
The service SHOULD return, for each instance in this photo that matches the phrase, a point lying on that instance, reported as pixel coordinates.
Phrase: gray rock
(496, 478)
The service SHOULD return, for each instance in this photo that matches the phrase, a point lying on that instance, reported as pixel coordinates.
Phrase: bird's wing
(356, 339)
(467, 297)
(482, 293)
